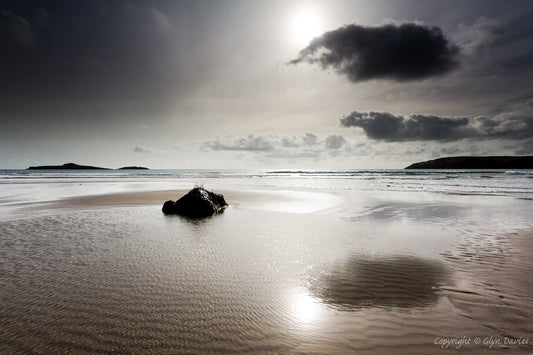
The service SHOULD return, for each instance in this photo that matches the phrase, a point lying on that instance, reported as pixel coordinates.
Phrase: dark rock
(197, 203)
(168, 207)
(495, 162)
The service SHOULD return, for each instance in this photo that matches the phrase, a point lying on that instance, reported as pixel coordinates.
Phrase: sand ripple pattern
(497, 286)
(129, 280)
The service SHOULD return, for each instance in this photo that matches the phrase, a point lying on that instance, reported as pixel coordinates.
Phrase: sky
(273, 84)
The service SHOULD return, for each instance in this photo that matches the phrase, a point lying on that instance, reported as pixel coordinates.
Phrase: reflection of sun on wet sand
(362, 281)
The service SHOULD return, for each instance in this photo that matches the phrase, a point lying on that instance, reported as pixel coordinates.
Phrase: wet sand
(282, 201)
(495, 283)
(112, 274)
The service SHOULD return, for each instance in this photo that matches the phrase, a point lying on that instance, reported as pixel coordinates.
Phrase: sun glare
(306, 25)
(304, 308)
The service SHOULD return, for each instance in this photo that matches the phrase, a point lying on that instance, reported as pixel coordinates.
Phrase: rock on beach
(197, 203)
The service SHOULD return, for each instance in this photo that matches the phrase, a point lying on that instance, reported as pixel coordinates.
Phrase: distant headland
(494, 162)
(73, 166)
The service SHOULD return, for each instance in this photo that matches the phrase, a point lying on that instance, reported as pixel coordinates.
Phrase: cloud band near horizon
(513, 123)
(281, 146)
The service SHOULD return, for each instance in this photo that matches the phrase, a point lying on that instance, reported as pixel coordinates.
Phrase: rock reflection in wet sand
(399, 281)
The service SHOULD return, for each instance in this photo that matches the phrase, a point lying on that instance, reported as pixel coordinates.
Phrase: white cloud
(334, 142)
(271, 146)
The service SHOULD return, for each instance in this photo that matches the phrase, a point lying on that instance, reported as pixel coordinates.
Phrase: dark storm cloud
(512, 123)
(386, 126)
(402, 53)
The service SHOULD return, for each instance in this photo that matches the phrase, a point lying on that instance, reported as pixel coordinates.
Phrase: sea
(302, 261)
(43, 184)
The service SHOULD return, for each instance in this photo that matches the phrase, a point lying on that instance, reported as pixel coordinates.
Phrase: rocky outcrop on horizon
(73, 166)
(67, 166)
(492, 162)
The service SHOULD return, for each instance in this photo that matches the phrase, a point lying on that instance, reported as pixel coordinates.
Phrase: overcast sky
(263, 84)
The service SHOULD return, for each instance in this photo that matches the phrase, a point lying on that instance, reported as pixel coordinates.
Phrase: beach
(294, 265)
(266, 177)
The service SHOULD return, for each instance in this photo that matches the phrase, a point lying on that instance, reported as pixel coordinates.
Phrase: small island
(133, 168)
(491, 162)
(67, 166)
(73, 166)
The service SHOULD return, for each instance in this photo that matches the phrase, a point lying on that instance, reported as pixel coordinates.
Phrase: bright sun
(306, 25)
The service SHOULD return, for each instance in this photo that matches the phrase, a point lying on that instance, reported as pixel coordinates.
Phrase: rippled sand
(112, 274)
